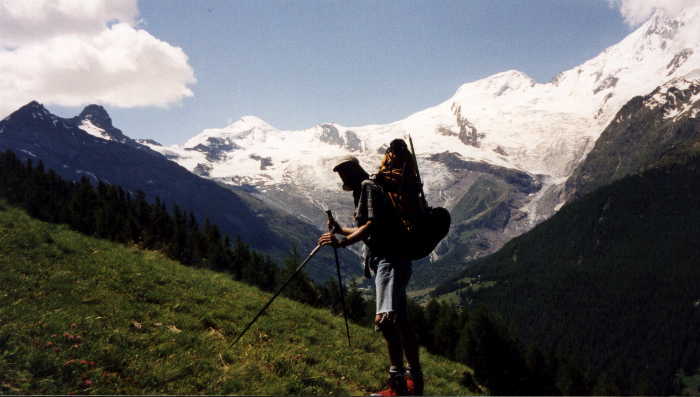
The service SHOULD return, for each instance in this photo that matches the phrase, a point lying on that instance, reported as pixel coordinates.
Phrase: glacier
(542, 129)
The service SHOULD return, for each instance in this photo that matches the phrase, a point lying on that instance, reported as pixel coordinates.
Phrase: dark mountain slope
(649, 131)
(486, 216)
(610, 281)
(32, 132)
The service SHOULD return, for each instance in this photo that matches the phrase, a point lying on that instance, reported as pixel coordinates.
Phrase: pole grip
(330, 219)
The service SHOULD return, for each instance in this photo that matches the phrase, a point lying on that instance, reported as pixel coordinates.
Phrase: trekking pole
(297, 271)
(340, 280)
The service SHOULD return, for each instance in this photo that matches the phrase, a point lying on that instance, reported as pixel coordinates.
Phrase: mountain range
(502, 154)
(88, 145)
(574, 202)
(610, 279)
(498, 153)
(649, 131)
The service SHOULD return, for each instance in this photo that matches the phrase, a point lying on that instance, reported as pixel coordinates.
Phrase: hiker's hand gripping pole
(297, 271)
(331, 224)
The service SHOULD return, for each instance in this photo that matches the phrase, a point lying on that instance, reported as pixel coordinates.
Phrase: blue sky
(299, 63)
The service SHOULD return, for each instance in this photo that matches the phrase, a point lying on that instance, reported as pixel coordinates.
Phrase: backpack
(419, 226)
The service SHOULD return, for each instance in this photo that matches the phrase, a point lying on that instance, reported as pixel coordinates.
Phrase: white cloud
(28, 21)
(75, 52)
(637, 11)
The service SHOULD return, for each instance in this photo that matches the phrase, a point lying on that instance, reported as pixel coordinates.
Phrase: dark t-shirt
(373, 205)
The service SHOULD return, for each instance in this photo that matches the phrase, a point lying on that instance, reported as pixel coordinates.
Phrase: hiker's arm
(357, 234)
(335, 228)
(345, 231)
(354, 235)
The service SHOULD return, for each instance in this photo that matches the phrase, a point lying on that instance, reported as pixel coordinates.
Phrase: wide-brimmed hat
(345, 161)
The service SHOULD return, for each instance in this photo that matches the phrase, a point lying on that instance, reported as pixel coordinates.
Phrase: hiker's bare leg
(393, 340)
(410, 348)
(409, 343)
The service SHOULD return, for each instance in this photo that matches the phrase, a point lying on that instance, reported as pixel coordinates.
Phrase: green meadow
(87, 316)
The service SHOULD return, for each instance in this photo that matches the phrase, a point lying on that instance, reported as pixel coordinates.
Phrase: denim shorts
(390, 280)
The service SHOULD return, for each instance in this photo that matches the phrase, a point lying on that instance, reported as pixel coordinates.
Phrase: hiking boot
(414, 383)
(397, 386)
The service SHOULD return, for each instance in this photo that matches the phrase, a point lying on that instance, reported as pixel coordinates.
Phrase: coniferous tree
(444, 335)
(110, 212)
(417, 315)
(570, 380)
(432, 314)
(358, 310)
(300, 288)
(241, 256)
(540, 374)
(494, 355)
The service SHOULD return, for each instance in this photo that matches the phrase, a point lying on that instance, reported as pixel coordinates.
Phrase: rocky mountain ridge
(508, 121)
(88, 145)
(659, 128)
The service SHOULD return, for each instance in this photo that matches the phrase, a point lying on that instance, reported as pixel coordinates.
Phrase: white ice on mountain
(87, 126)
(28, 152)
(539, 128)
(668, 93)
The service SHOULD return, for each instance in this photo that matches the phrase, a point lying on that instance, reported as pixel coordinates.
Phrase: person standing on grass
(376, 227)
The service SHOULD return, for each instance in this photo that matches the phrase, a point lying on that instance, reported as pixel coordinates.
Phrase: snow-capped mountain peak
(666, 27)
(33, 116)
(506, 120)
(677, 96)
(248, 122)
(246, 126)
(88, 126)
(97, 115)
(508, 82)
(33, 110)
(95, 120)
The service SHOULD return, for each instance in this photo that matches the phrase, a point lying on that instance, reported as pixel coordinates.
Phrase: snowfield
(543, 129)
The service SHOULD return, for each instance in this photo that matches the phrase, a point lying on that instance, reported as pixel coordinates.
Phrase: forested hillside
(611, 281)
(502, 365)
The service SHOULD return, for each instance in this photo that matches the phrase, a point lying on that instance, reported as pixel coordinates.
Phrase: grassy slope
(83, 315)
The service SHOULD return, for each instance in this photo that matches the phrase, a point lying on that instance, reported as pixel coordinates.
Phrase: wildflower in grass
(71, 337)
